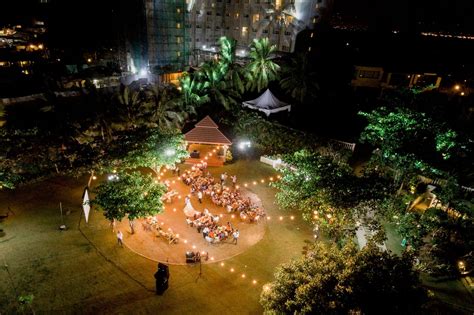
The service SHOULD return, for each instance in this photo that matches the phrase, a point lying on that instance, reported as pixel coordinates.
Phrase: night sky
(452, 15)
(87, 22)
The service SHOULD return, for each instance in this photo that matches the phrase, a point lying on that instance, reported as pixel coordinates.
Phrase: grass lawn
(84, 271)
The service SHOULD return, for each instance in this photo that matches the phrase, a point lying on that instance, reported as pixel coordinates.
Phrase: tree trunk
(399, 191)
(131, 223)
(156, 170)
(112, 224)
(90, 179)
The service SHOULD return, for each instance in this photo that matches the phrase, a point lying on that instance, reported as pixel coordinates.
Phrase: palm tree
(299, 80)
(212, 76)
(261, 70)
(192, 93)
(129, 102)
(279, 21)
(232, 70)
(161, 111)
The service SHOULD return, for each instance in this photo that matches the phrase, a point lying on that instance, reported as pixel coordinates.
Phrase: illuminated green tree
(150, 148)
(131, 195)
(326, 191)
(409, 143)
(192, 92)
(233, 71)
(261, 70)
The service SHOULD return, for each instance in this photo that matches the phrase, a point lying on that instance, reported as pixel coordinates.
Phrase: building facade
(179, 30)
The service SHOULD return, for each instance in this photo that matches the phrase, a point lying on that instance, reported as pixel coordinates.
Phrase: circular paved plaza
(148, 243)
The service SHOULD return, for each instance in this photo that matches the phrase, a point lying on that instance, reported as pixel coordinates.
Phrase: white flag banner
(86, 205)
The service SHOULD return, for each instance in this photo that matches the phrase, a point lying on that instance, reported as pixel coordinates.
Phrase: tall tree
(409, 142)
(192, 92)
(233, 71)
(160, 110)
(212, 74)
(131, 195)
(299, 80)
(326, 191)
(261, 69)
(150, 148)
(329, 280)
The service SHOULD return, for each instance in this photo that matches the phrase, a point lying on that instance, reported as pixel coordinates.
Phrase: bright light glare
(244, 145)
(170, 152)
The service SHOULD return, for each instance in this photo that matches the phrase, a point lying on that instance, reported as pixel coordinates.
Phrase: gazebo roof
(207, 122)
(206, 131)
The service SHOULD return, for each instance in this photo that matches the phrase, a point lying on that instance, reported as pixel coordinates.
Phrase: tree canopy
(131, 195)
(329, 280)
(326, 191)
(409, 141)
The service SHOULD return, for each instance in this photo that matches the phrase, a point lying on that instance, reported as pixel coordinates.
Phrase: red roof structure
(206, 131)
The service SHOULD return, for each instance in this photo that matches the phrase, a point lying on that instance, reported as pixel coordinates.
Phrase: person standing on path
(236, 235)
(120, 238)
(234, 181)
(200, 196)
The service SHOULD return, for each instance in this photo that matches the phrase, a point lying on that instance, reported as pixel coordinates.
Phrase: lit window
(178, 53)
(245, 30)
(312, 34)
(237, 15)
(178, 10)
(178, 25)
(309, 48)
(255, 18)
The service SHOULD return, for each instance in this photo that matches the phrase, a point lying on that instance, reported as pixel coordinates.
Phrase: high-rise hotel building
(179, 30)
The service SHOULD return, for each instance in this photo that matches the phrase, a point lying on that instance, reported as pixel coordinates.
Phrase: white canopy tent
(267, 103)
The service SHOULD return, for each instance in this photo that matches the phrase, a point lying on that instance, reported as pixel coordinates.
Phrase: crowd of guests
(212, 232)
(203, 183)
